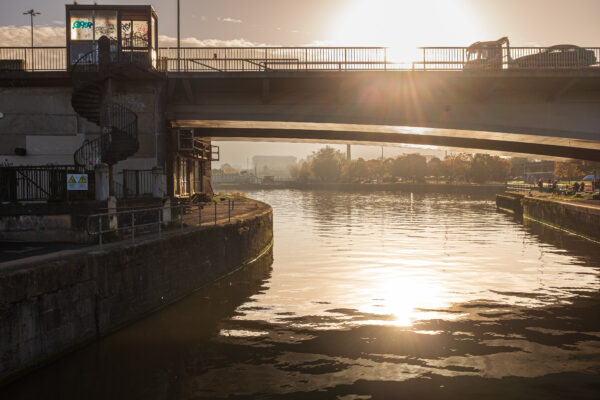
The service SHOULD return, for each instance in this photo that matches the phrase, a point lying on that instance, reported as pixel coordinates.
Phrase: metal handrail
(184, 214)
(53, 58)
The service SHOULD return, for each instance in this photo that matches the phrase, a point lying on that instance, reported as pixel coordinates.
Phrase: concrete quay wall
(576, 218)
(50, 307)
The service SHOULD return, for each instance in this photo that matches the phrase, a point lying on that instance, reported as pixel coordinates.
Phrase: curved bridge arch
(377, 134)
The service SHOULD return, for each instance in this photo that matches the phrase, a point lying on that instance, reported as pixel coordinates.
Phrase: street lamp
(32, 13)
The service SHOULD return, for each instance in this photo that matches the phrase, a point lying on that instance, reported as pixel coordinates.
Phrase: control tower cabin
(132, 31)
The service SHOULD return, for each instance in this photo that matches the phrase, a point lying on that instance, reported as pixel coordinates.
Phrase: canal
(369, 296)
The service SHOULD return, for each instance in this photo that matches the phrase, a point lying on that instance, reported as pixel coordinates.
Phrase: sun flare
(404, 25)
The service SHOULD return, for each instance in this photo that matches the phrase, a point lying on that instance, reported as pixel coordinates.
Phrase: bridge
(350, 94)
(114, 97)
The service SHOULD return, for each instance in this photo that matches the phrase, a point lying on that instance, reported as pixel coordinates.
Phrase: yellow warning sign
(77, 182)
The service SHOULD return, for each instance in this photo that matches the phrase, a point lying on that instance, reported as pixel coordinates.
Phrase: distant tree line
(575, 169)
(331, 165)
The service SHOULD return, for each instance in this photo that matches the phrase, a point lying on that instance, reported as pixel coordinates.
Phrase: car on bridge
(559, 56)
(497, 55)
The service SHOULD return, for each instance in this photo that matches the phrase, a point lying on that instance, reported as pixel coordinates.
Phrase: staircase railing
(116, 121)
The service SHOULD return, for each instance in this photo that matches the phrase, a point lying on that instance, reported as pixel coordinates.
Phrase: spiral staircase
(118, 138)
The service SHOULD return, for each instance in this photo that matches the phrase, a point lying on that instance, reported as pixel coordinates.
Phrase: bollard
(229, 209)
(100, 229)
(159, 223)
(132, 227)
(215, 212)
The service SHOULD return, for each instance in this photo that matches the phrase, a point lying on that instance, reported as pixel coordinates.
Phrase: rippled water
(381, 295)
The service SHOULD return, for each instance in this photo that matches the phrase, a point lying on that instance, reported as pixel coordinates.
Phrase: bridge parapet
(269, 59)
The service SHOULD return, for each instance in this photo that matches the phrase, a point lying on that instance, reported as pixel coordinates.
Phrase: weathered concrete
(576, 218)
(541, 106)
(50, 305)
(38, 117)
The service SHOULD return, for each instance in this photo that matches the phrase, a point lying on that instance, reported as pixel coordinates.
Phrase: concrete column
(113, 221)
(159, 182)
(102, 181)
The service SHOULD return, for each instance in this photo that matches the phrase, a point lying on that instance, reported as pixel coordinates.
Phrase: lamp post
(178, 39)
(32, 13)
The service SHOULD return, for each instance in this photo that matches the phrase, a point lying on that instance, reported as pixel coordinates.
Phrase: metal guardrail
(137, 223)
(243, 59)
(35, 183)
(33, 59)
(248, 59)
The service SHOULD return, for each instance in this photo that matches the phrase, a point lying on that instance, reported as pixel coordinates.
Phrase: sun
(404, 25)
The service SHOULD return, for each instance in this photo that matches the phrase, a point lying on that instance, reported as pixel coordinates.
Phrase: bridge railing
(532, 58)
(242, 59)
(33, 59)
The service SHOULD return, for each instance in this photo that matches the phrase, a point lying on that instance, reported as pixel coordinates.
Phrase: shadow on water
(146, 359)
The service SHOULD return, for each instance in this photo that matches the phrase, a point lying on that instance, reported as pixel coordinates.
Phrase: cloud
(168, 41)
(12, 35)
(229, 19)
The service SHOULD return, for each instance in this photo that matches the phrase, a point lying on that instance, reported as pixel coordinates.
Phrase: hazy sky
(402, 25)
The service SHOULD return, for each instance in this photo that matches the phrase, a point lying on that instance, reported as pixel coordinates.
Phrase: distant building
(531, 170)
(275, 166)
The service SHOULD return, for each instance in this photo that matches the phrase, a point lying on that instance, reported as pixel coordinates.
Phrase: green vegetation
(330, 165)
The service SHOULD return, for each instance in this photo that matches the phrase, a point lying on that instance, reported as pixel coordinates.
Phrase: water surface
(377, 295)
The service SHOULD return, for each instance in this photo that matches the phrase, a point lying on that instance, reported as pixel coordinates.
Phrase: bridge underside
(544, 146)
(549, 114)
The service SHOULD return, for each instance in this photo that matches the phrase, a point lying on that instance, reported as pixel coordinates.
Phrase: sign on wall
(77, 182)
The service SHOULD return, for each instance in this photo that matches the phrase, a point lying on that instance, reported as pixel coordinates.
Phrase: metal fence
(33, 183)
(242, 59)
(139, 223)
(33, 59)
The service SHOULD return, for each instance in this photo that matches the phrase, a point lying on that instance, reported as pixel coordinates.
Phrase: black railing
(242, 59)
(119, 128)
(33, 59)
(35, 183)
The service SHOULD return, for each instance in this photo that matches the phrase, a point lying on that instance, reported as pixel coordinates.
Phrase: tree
(568, 170)
(304, 173)
(409, 166)
(355, 169)
(228, 169)
(294, 171)
(485, 167)
(326, 164)
(435, 167)
(458, 165)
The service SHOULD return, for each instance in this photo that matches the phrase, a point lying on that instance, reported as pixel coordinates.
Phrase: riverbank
(54, 303)
(365, 187)
(577, 217)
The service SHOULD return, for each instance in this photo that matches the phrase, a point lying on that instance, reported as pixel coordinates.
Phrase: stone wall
(576, 218)
(50, 307)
